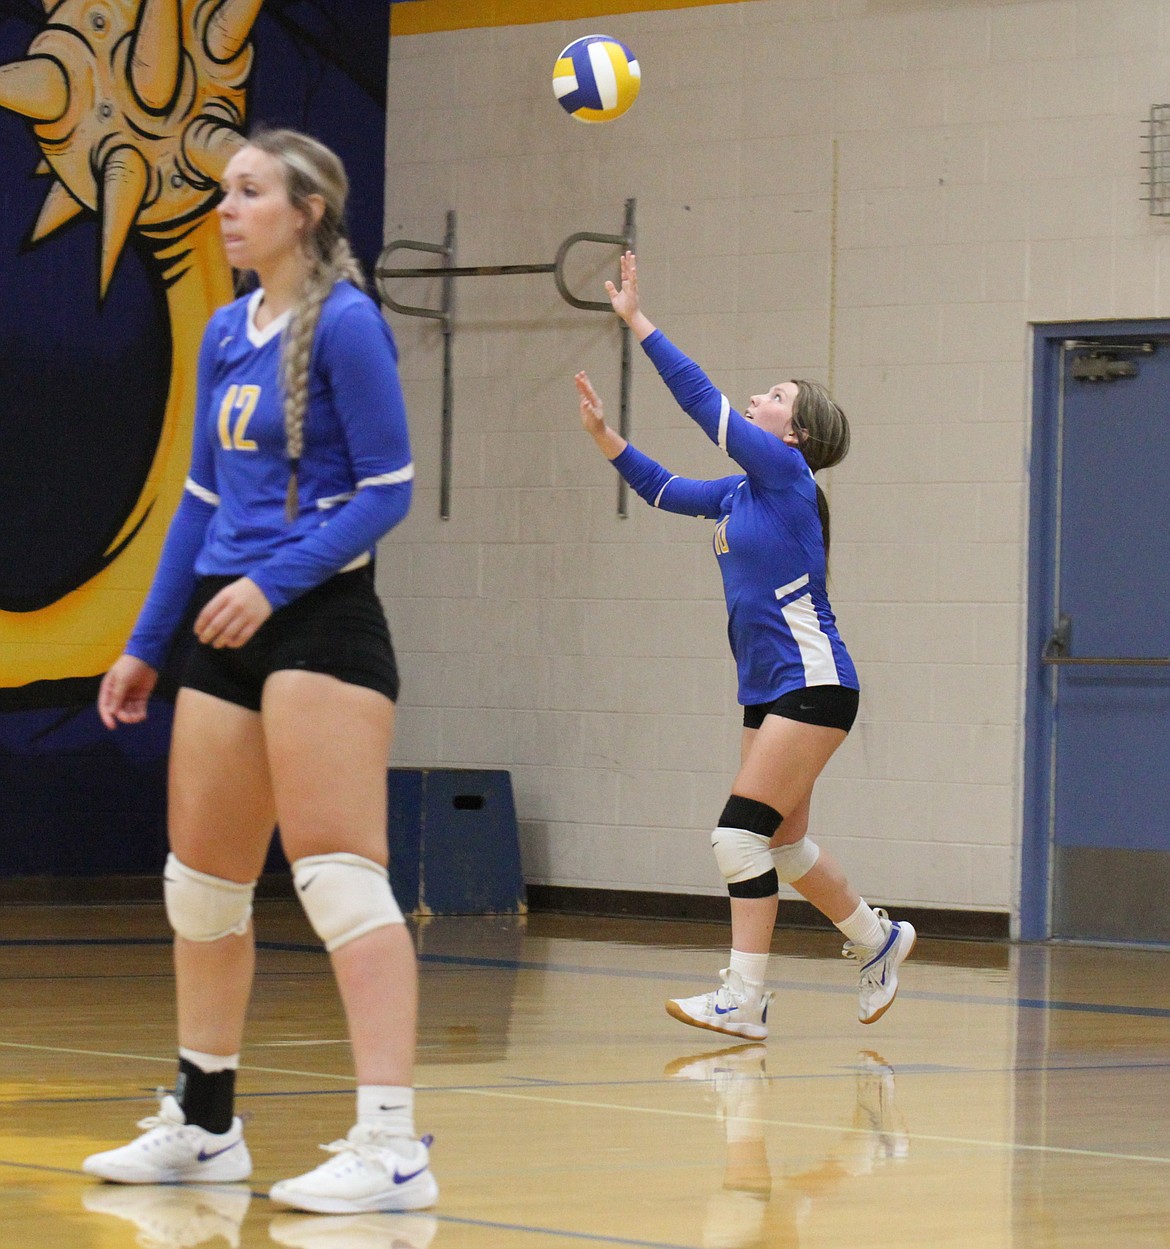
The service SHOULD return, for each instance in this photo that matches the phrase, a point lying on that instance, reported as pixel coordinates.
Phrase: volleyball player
(301, 462)
(797, 683)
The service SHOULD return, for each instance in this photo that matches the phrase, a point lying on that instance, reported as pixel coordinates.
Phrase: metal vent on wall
(1157, 154)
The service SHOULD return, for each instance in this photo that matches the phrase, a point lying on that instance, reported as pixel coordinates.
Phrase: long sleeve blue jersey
(354, 476)
(767, 538)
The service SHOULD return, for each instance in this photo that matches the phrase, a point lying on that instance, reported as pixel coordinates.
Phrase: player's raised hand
(592, 412)
(625, 298)
(609, 442)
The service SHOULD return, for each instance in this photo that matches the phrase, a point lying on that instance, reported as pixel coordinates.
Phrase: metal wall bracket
(448, 271)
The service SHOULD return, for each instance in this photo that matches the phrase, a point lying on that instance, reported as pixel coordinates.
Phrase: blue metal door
(1098, 867)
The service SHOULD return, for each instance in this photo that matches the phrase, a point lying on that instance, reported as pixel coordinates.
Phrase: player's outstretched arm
(609, 442)
(627, 301)
(658, 486)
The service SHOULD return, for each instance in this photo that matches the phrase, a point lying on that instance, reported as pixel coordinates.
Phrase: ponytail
(823, 513)
(823, 430)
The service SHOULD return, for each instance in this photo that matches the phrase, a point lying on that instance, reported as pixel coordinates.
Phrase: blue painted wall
(76, 800)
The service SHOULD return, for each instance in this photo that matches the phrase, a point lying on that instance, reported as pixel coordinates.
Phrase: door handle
(1123, 661)
(1057, 646)
(1056, 652)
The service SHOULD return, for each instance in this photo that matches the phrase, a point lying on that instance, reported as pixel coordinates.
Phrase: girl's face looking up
(773, 411)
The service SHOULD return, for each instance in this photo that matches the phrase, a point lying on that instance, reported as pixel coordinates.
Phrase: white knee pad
(344, 896)
(202, 907)
(740, 855)
(791, 862)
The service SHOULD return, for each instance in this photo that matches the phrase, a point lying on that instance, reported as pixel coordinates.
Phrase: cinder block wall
(881, 194)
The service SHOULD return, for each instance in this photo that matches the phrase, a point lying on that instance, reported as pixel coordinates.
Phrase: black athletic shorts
(832, 706)
(338, 628)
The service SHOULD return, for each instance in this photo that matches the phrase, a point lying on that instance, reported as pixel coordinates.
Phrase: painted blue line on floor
(799, 986)
(39, 1167)
(576, 969)
(516, 1083)
(596, 1238)
(58, 941)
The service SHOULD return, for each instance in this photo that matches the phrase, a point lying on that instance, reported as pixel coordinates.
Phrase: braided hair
(309, 168)
(823, 430)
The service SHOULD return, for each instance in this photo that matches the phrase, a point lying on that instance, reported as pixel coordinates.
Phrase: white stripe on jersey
(201, 492)
(389, 479)
(333, 500)
(816, 652)
(724, 414)
(658, 496)
(383, 479)
(785, 590)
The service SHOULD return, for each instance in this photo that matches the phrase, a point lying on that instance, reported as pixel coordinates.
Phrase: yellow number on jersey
(720, 539)
(241, 399)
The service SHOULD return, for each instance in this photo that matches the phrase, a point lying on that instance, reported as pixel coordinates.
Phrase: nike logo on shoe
(889, 942)
(410, 1175)
(725, 1010)
(204, 1156)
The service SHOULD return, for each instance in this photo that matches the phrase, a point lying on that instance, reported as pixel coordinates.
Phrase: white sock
(863, 927)
(210, 1063)
(389, 1107)
(752, 969)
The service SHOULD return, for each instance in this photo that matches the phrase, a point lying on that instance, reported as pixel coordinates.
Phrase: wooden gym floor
(1015, 1097)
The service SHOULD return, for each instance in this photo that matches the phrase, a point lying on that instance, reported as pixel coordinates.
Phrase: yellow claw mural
(137, 105)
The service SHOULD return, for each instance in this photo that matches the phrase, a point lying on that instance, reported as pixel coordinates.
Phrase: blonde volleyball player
(301, 462)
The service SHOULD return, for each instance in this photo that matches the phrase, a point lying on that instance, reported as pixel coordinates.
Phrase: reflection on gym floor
(755, 1206)
(1013, 1098)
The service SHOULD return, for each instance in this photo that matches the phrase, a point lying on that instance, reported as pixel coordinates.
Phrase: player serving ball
(797, 683)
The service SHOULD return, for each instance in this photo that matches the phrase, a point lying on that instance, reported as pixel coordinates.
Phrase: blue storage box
(454, 843)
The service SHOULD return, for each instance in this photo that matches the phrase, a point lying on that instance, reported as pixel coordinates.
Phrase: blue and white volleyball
(596, 78)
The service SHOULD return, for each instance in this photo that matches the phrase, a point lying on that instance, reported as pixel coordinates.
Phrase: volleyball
(596, 78)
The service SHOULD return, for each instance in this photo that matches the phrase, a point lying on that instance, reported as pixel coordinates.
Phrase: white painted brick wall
(988, 175)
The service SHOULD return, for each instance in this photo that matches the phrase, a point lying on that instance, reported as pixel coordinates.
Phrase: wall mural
(117, 118)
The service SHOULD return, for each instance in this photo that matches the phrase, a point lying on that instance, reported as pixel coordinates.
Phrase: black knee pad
(754, 817)
(741, 847)
(766, 886)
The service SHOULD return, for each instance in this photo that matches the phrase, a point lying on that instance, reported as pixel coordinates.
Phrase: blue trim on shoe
(891, 938)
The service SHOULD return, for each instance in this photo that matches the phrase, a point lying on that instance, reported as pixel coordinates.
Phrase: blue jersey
(354, 477)
(767, 539)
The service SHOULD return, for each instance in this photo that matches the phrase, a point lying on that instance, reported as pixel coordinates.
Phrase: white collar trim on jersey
(259, 337)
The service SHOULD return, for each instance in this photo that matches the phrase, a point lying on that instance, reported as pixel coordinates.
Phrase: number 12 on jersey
(242, 401)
